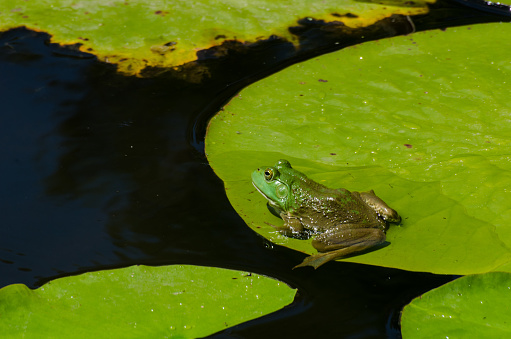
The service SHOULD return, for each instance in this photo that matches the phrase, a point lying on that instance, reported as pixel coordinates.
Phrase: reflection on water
(100, 169)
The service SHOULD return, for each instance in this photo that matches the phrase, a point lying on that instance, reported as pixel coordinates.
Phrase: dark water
(102, 171)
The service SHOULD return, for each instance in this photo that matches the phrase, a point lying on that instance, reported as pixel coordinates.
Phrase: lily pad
(140, 302)
(475, 306)
(421, 119)
(137, 33)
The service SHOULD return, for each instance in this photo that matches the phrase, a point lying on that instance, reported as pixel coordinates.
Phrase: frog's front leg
(292, 227)
(342, 241)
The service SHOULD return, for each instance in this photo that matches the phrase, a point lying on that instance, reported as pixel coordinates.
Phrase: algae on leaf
(140, 302)
(134, 33)
(475, 306)
(421, 119)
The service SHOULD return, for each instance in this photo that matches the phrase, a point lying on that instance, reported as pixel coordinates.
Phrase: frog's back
(321, 208)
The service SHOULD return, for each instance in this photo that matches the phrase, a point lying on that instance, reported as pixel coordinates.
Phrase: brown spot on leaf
(162, 49)
(408, 145)
(322, 80)
(161, 13)
(333, 153)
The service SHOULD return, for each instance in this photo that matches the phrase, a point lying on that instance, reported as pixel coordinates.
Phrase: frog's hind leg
(341, 242)
(383, 210)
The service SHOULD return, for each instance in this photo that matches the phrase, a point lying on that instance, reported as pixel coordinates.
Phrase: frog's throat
(271, 202)
(264, 195)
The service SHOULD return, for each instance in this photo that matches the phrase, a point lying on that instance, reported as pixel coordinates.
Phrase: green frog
(342, 222)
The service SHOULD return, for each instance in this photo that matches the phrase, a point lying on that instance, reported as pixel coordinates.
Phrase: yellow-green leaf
(136, 33)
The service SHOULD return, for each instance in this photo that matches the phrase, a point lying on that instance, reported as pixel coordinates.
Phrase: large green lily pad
(140, 302)
(137, 33)
(475, 306)
(421, 119)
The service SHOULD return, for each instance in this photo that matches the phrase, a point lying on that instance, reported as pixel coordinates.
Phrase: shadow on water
(103, 171)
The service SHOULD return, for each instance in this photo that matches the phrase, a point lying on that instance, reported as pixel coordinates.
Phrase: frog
(341, 222)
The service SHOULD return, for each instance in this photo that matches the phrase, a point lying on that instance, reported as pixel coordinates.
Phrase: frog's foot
(341, 242)
(317, 260)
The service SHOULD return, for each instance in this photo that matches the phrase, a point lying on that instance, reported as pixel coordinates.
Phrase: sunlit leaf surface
(424, 120)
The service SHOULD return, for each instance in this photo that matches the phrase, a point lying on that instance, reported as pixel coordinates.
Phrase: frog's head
(274, 183)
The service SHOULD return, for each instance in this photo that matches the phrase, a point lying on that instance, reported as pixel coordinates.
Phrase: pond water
(103, 171)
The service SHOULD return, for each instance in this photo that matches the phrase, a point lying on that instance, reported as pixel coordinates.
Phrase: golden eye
(268, 174)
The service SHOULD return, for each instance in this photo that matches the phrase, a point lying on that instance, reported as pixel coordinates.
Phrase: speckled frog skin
(342, 222)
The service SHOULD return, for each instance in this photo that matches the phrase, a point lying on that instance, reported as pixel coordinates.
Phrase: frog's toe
(317, 260)
(393, 217)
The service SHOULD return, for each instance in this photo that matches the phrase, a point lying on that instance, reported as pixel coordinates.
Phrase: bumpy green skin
(343, 222)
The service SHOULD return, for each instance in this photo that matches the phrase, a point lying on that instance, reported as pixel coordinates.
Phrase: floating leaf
(421, 119)
(475, 306)
(140, 302)
(136, 33)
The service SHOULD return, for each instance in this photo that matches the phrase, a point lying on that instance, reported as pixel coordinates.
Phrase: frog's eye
(268, 174)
